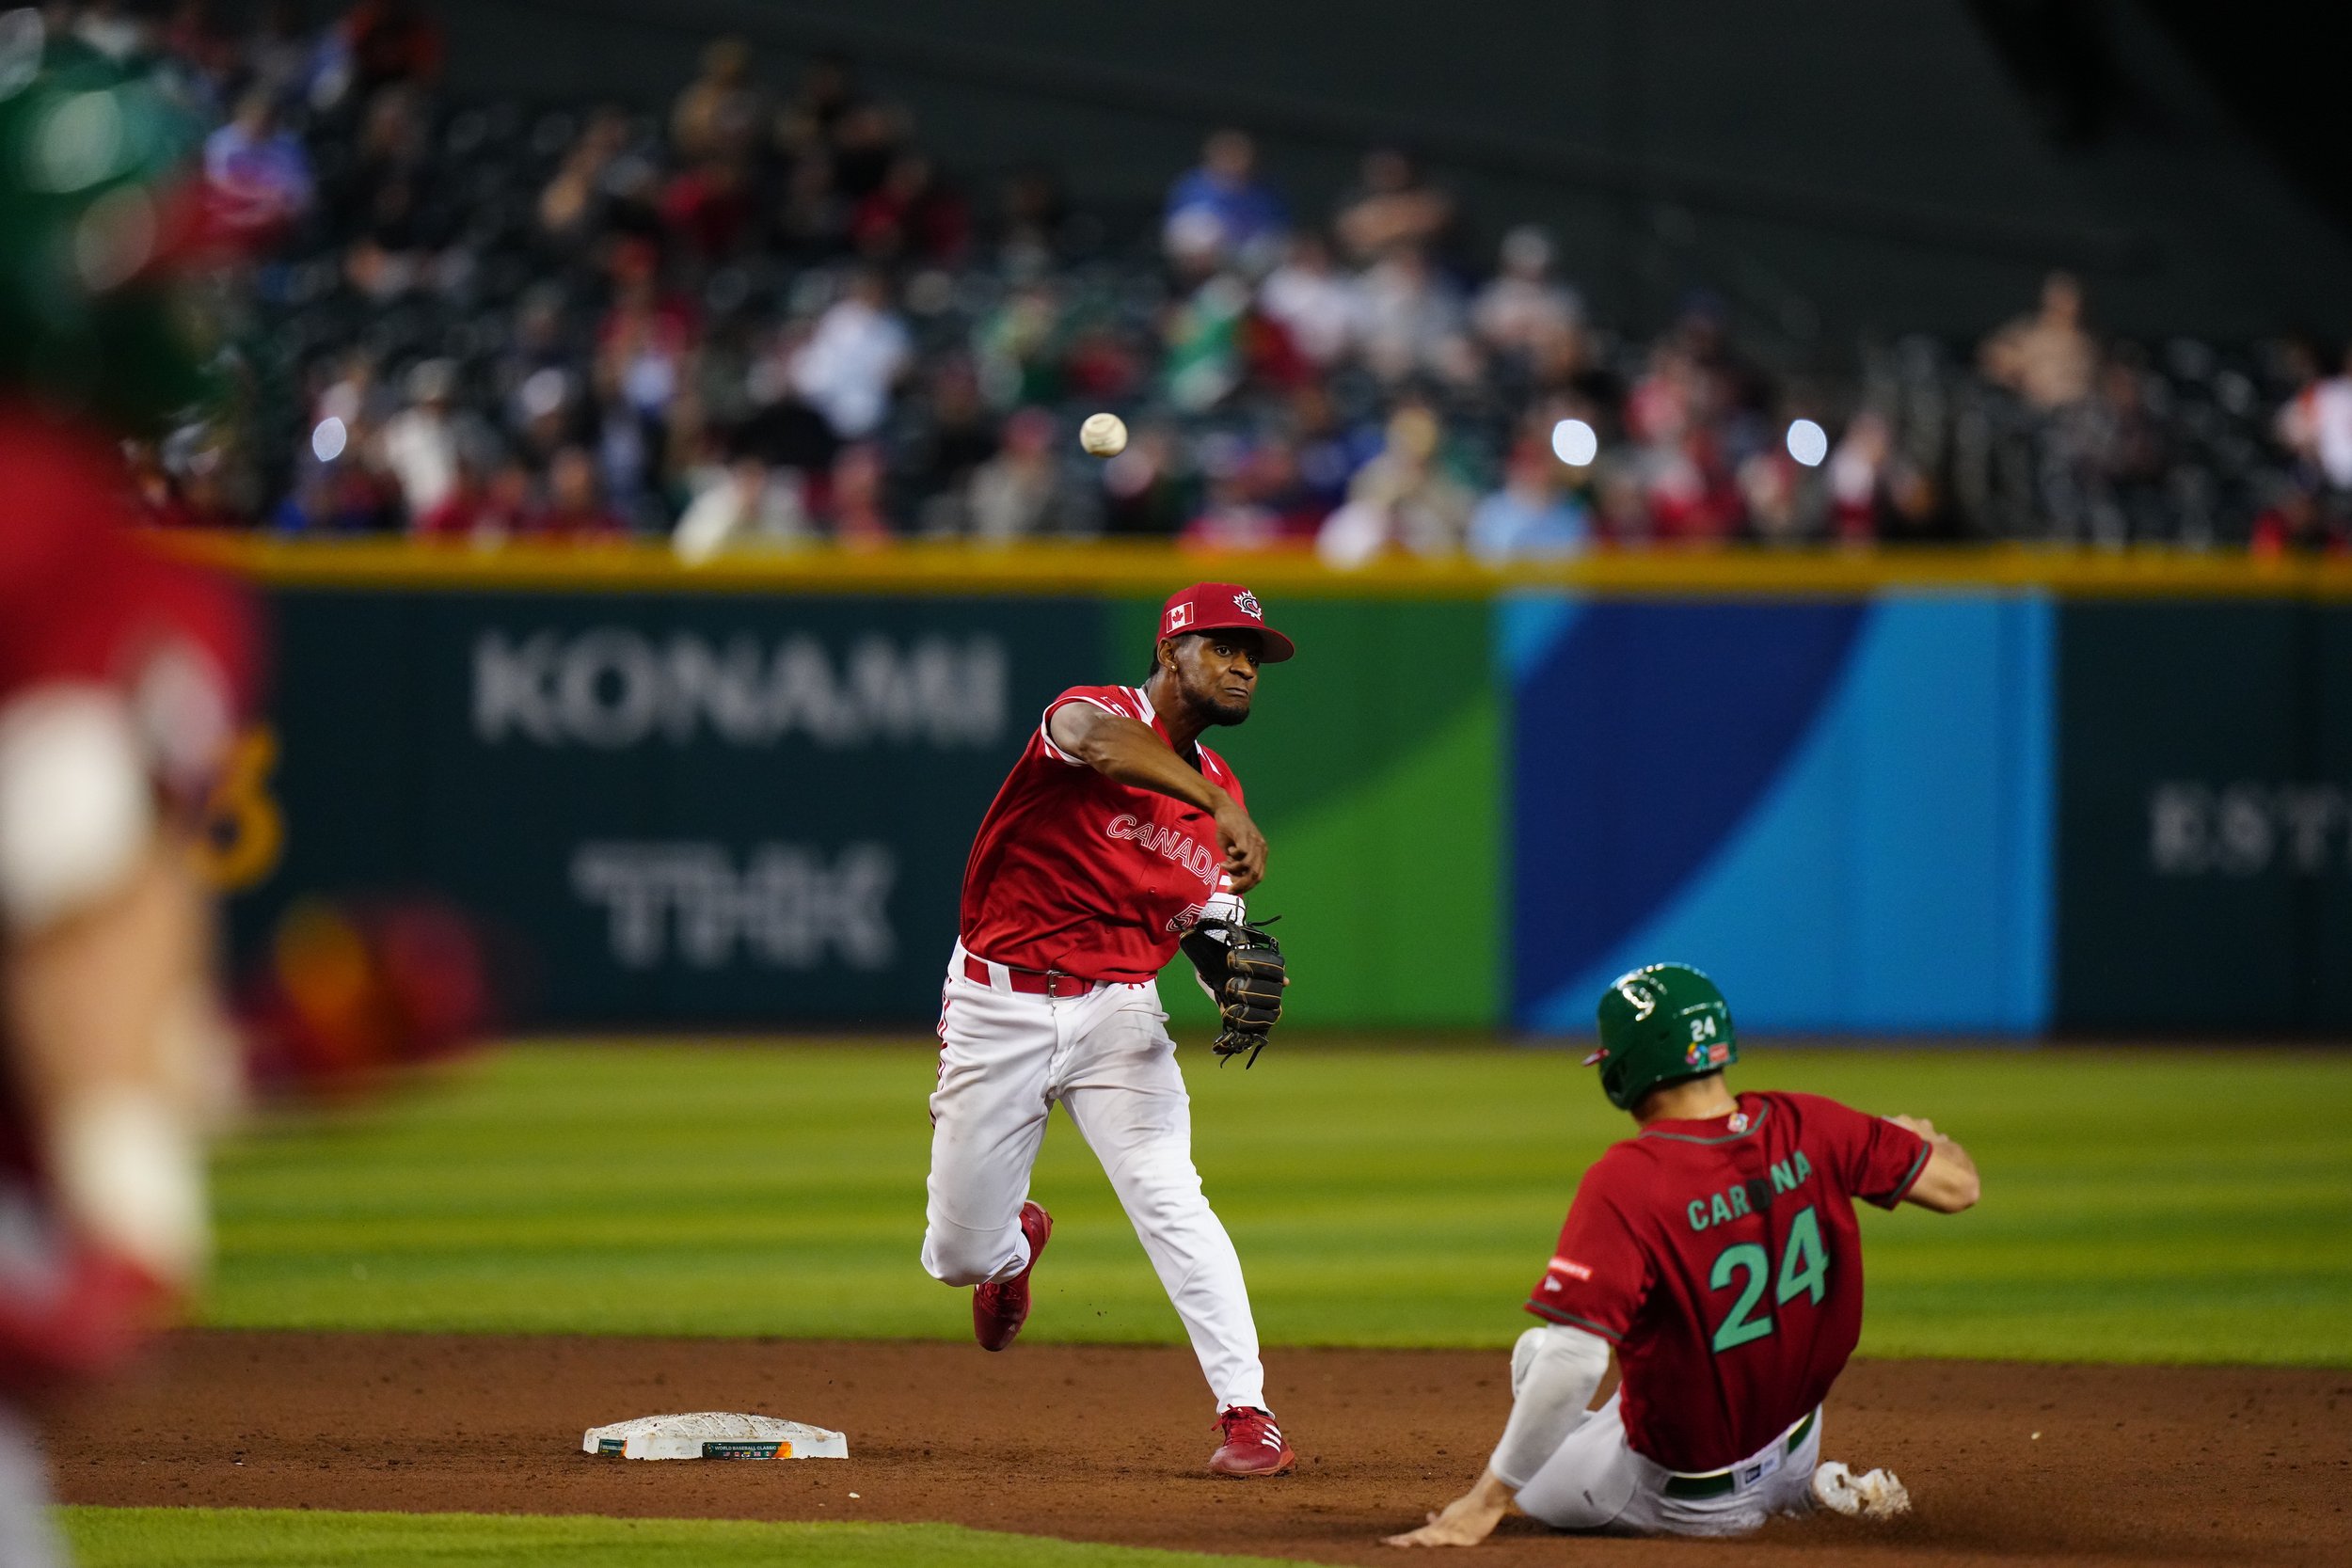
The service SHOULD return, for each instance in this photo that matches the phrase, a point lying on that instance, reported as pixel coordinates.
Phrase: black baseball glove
(1241, 968)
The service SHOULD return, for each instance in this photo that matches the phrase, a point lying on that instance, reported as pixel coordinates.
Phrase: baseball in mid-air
(1104, 434)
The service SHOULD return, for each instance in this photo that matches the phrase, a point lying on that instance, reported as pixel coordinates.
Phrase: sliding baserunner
(1716, 1252)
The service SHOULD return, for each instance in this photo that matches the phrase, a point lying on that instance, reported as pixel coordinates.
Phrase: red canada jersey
(1073, 871)
(1722, 1259)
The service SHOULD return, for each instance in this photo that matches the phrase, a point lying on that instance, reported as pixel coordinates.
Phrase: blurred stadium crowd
(776, 317)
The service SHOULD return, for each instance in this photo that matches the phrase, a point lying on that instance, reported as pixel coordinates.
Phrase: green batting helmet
(1660, 1024)
(90, 322)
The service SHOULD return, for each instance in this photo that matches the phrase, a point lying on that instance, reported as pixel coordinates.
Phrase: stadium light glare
(1808, 443)
(329, 439)
(1574, 443)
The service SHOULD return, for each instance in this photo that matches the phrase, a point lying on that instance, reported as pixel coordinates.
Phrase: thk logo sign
(789, 907)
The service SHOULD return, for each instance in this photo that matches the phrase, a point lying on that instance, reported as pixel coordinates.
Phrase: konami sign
(615, 686)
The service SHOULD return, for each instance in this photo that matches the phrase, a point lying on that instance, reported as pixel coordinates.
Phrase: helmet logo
(1247, 603)
(1644, 1003)
(1703, 1054)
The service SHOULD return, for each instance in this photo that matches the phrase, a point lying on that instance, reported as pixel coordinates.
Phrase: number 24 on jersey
(1803, 1271)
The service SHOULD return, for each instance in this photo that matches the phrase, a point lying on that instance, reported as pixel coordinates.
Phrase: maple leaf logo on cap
(1247, 603)
(1178, 618)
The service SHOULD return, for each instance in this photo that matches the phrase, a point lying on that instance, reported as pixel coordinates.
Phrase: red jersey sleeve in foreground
(1600, 1273)
(1875, 1159)
(83, 601)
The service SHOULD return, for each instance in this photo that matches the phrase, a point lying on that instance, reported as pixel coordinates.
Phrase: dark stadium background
(1891, 169)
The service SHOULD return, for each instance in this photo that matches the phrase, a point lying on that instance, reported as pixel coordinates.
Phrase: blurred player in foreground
(124, 677)
(1117, 837)
(1717, 1253)
(121, 680)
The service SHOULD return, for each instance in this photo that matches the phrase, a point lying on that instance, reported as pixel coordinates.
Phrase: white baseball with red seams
(1092, 880)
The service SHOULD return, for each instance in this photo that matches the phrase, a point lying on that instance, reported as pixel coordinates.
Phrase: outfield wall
(1884, 798)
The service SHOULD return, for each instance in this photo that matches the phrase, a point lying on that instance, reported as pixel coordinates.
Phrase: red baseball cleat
(1253, 1445)
(998, 1310)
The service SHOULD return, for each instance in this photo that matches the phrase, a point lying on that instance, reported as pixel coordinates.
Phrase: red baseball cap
(1222, 606)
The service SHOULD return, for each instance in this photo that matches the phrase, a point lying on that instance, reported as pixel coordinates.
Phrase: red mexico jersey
(82, 599)
(1075, 872)
(85, 603)
(1722, 1258)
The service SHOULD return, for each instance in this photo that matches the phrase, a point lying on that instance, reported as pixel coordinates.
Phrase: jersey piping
(1911, 1179)
(1749, 1132)
(1552, 1314)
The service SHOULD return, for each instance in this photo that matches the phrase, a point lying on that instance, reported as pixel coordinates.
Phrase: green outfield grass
(277, 1538)
(2149, 1205)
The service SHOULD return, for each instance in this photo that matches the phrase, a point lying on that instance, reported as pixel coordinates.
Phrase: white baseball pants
(1005, 1059)
(1596, 1481)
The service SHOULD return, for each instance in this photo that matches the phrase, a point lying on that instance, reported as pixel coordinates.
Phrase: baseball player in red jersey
(1116, 834)
(121, 680)
(1716, 1252)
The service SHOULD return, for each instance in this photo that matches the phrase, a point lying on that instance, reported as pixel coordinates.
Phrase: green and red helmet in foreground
(93, 318)
(1660, 1024)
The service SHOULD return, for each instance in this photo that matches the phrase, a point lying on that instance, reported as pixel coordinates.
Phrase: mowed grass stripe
(278, 1538)
(2146, 1205)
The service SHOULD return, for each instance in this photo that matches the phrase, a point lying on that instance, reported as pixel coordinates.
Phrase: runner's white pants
(1005, 1059)
(1596, 1481)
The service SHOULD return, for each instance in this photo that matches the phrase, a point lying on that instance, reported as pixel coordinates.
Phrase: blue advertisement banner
(1840, 809)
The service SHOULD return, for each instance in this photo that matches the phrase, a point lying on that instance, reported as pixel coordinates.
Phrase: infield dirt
(2131, 1465)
